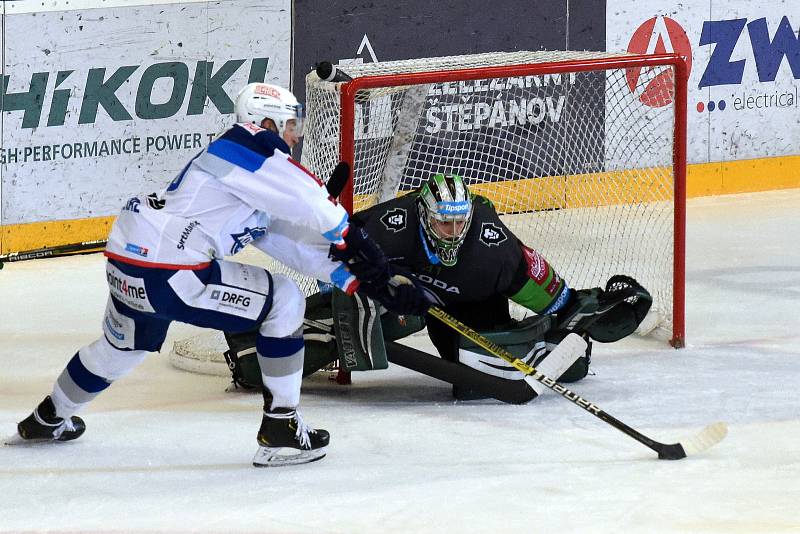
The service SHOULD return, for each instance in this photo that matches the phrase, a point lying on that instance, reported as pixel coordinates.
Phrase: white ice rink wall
(102, 99)
(105, 99)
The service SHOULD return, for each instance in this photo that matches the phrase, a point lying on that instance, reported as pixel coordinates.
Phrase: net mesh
(578, 163)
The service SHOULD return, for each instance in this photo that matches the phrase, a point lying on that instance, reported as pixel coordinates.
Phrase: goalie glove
(606, 315)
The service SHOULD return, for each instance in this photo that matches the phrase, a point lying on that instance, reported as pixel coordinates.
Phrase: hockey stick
(706, 438)
(53, 252)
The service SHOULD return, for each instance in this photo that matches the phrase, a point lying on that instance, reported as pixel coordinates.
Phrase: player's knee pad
(288, 307)
(103, 359)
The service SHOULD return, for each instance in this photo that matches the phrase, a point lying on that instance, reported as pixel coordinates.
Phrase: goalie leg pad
(571, 350)
(525, 341)
(359, 333)
(531, 341)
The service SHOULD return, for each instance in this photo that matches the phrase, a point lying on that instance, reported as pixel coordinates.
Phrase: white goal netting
(576, 152)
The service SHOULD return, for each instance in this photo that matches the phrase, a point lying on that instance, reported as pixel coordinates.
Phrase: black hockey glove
(363, 256)
(410, 297)
(402, 296)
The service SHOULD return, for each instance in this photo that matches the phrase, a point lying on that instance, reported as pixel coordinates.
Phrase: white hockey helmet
(259, 101)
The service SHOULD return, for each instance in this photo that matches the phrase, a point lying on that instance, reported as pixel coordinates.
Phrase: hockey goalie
(451, 243)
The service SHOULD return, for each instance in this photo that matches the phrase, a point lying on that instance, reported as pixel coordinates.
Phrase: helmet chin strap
(433, 258)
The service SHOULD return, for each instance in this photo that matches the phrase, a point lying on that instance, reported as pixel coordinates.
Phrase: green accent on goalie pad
(518, 340)
(359, 334)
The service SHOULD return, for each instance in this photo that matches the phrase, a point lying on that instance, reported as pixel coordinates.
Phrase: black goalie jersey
(491, 260)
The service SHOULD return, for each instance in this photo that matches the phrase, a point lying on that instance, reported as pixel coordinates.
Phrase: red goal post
(637, 90)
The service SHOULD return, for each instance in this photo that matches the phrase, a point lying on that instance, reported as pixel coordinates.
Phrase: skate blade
(14, 440)
(280, 456)
(18, 441)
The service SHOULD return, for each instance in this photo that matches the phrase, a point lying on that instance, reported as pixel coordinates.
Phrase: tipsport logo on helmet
(659, 35)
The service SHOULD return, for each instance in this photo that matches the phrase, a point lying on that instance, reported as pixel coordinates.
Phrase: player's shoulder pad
(247, 145)
(393, 216)
(486, 223)
(482, 203)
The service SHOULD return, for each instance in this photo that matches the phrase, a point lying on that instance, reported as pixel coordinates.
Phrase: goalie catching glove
(606, 315)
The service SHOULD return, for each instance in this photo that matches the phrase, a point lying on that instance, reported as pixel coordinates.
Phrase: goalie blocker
(360, 335)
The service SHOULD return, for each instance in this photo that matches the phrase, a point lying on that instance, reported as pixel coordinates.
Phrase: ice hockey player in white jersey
(165, 263)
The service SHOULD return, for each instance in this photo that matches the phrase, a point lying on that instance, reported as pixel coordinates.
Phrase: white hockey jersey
(244, 188)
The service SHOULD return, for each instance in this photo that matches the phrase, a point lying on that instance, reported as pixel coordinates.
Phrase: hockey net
(582, 154)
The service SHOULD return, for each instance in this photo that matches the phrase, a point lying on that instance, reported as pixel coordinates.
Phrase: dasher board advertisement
(101, 104)
(744, 84)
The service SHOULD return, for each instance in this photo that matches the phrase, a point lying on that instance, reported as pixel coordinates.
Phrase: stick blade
(703, 440)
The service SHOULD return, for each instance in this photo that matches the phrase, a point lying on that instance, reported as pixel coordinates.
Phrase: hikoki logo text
(101, 87)
(726, 66)
(48, 100)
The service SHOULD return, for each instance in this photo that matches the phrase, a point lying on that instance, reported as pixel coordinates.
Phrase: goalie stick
(85, 247)
(705, 439)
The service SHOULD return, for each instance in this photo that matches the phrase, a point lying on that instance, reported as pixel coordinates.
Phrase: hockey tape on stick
(706, 438)
(53, 252)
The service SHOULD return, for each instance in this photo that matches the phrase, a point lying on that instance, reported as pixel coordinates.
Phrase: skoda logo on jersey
(246, 237)
(492, 235)
(395, 219)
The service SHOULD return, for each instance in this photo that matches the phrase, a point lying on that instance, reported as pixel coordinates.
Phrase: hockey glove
(402, 296)
(409, 296)
(606, 315)
(363, 257)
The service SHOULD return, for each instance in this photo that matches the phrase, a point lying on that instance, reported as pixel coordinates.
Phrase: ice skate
(43, 425)
(284, 439)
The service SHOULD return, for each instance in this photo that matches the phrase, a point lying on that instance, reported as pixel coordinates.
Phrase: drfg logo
(101, 88)
(231, 297)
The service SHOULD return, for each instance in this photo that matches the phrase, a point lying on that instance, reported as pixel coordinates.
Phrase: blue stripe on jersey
(278, 347)
(245, 149)
(335, 235)
(85, 379)
(237, 154)
(340, 276)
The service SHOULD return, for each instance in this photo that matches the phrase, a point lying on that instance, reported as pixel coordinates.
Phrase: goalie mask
(259, 101)
(445, 211)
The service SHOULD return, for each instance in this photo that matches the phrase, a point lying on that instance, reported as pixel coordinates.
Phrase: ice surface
(169, 451)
